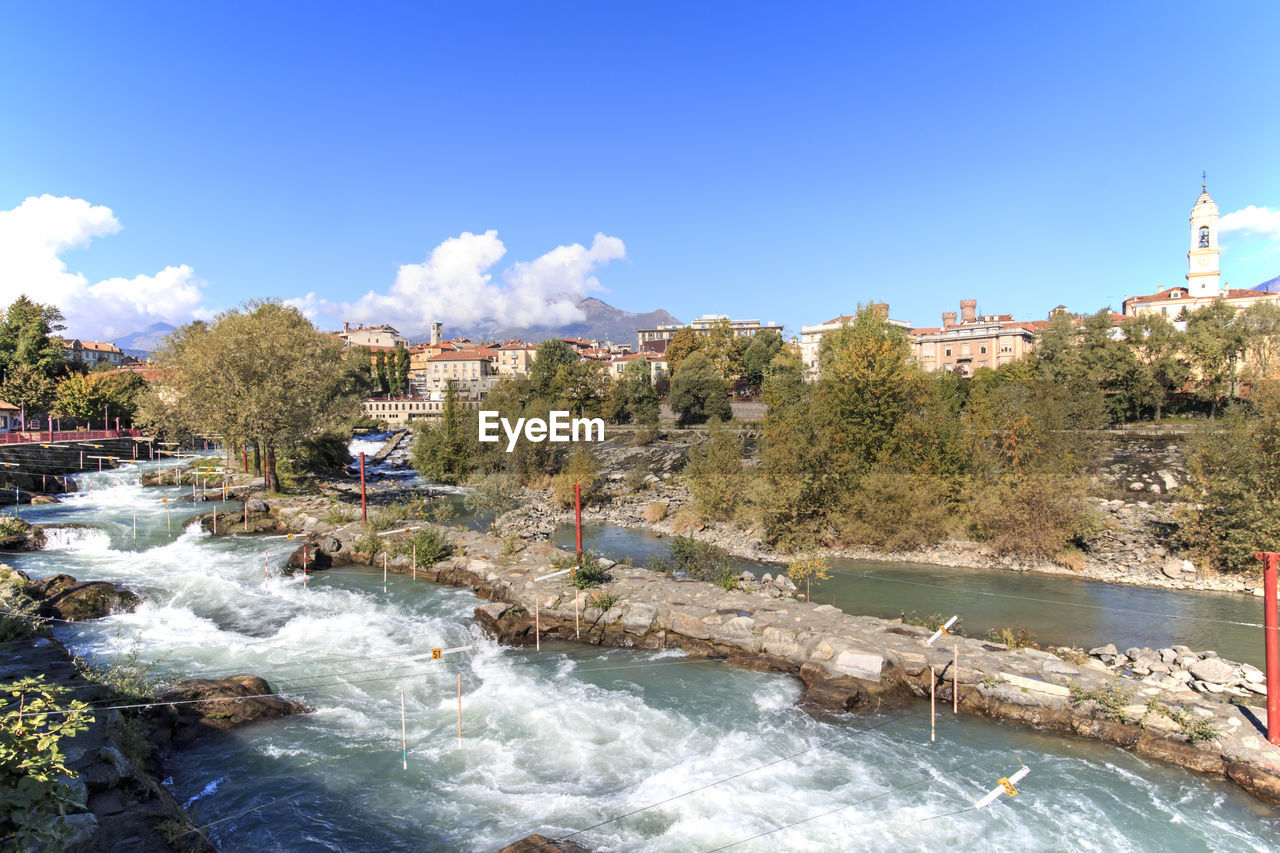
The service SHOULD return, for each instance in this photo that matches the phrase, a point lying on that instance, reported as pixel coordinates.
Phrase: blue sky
(779, 161)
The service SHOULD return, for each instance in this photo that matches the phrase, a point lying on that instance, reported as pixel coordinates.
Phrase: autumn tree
(550, 356)
(261, 373)
(682, 344)
(632, 398)
(442, 450)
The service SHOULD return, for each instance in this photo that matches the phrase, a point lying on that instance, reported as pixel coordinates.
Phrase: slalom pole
(459, 709)
(304, 565)
(1271, 637)
(415, 562)
(404, 738)
(266, 568)
(135, 526)
(933, 706)
(384, 571)
(576, 634)
(955, 681)
(537, 624)
(364, 507)
(577, 512)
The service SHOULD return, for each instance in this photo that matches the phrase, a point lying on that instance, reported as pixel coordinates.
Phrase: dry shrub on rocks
(896, 509)
(655, 512)
(684, 522)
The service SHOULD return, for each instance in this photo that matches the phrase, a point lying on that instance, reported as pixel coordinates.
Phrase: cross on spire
(1204, 185)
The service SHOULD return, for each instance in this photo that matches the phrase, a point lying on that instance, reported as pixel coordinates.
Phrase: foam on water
(573, 736)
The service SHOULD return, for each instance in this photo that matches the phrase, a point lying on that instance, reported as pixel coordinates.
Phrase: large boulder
(1213, 671)
(203, 706)
(535, 843)
(63, 597)
(316, 559)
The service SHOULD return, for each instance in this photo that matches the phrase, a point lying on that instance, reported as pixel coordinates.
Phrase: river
(570, 738)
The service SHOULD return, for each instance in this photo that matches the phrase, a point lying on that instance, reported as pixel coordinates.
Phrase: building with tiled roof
(93, 353)
(383, 337)
(1202, 285)
(971, 342)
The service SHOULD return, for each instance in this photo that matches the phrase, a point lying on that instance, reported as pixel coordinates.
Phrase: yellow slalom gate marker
(1004, 786)
(941, 632)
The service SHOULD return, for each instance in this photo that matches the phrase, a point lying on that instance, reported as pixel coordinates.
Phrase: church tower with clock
(1202, 259)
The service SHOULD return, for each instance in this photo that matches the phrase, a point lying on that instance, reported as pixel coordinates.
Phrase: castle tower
(968, 310)
(1202, 259)
(436, 329)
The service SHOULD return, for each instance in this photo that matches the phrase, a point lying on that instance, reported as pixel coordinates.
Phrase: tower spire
(1204, 180)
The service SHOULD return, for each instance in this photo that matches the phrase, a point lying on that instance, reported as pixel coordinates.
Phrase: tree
(808, 569)
(401, 372)
(441, 452)
(632, 397)
(1215, 342)
(380, 371)
(261, 373)
(698, 393)
(869, 385)
(720, 346)
(550, 356)
(25, 385)
(758, 355)
(715, 475)
(1158, 344)
(1260, 325)
(580, 385)
(26, 338)
(99, 395)
(682, 344)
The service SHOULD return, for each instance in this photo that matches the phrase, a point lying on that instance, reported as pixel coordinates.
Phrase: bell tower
(1202, 258)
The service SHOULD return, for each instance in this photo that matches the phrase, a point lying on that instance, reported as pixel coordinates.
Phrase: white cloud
(33, 237)
(455, 286)
(1253, 220)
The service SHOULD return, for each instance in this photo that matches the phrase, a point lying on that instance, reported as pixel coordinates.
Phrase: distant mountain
(602, 322)
(140, 344)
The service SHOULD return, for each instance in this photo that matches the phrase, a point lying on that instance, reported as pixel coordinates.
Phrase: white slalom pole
(384, 571)
(266, 568)
(404, 738)
(933, 706)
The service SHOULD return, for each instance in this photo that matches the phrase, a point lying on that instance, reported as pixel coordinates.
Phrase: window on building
(983, 349)
(1204, 237)
(947, 352)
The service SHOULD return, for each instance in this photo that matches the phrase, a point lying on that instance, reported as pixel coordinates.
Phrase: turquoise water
(695, 754)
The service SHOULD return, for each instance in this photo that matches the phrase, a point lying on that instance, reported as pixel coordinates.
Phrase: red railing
(34, 437)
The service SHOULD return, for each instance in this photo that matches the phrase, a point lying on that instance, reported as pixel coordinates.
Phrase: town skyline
(787, 179)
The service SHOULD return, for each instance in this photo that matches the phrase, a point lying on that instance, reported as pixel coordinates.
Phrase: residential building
(472, 371)
(377, 338)
(811, 336)
(10, 417)
(1203, 275)
(93, 353)
(973, 342)
(399, 411)
(656, 362)
(515, 358)
(655, 339)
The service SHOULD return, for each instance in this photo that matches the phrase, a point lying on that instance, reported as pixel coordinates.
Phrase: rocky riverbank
(846, 662)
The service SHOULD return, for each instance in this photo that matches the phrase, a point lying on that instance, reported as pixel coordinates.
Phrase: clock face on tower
(1204, 259)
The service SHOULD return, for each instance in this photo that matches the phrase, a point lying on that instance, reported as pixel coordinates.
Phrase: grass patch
(1013, 636)
(430, 546)
(1110, 701)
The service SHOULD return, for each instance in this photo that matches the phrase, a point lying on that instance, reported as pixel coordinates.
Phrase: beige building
(515, 359)
(93, 353)
(972, 342)
(471, 371)
(377, 337)
(1203, 273)
(655, 339)
(617, 366)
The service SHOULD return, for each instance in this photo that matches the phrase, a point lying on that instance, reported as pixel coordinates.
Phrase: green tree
(380, 371)
(551, 355)
(261, 374)
(25, 385)
(401, 372)
(1260, 326)
(27, 338)
(868, 387)
(442, 451)
(1157, 343)
(720, 345)
(37, 717)
(632, 397)
(698, 393)
(759, 354)
(1215, 343)
(99, 395)
(682, 344)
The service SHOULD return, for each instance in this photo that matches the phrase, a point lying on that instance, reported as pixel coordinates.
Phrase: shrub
(699, 560)
(581, 469)
(1111, 701)
(1036, 517)
(808, 569)
(1013, 636)
(637, 478)
(896, 509)
(494, 492)
(19, 613)
(655, 512)
(368, 543)
(698, 392)
(933, 622)
(602, 601)
(33, 797)
(587, 571)
(686, 520)
(392, 515)
(716, 479)
(430, 546)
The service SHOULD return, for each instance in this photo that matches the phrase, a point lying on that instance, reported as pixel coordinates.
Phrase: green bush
(581, 469)
(33, 797)
(699, 560)
(431, 546)
(19, 613)
(589, 572)
(896, 509)
(1036, 517)
(716, 479)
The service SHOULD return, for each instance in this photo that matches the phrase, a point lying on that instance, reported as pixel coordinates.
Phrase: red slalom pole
(577, 512)
(364, 508)
(245, 447)
(1271, 630)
